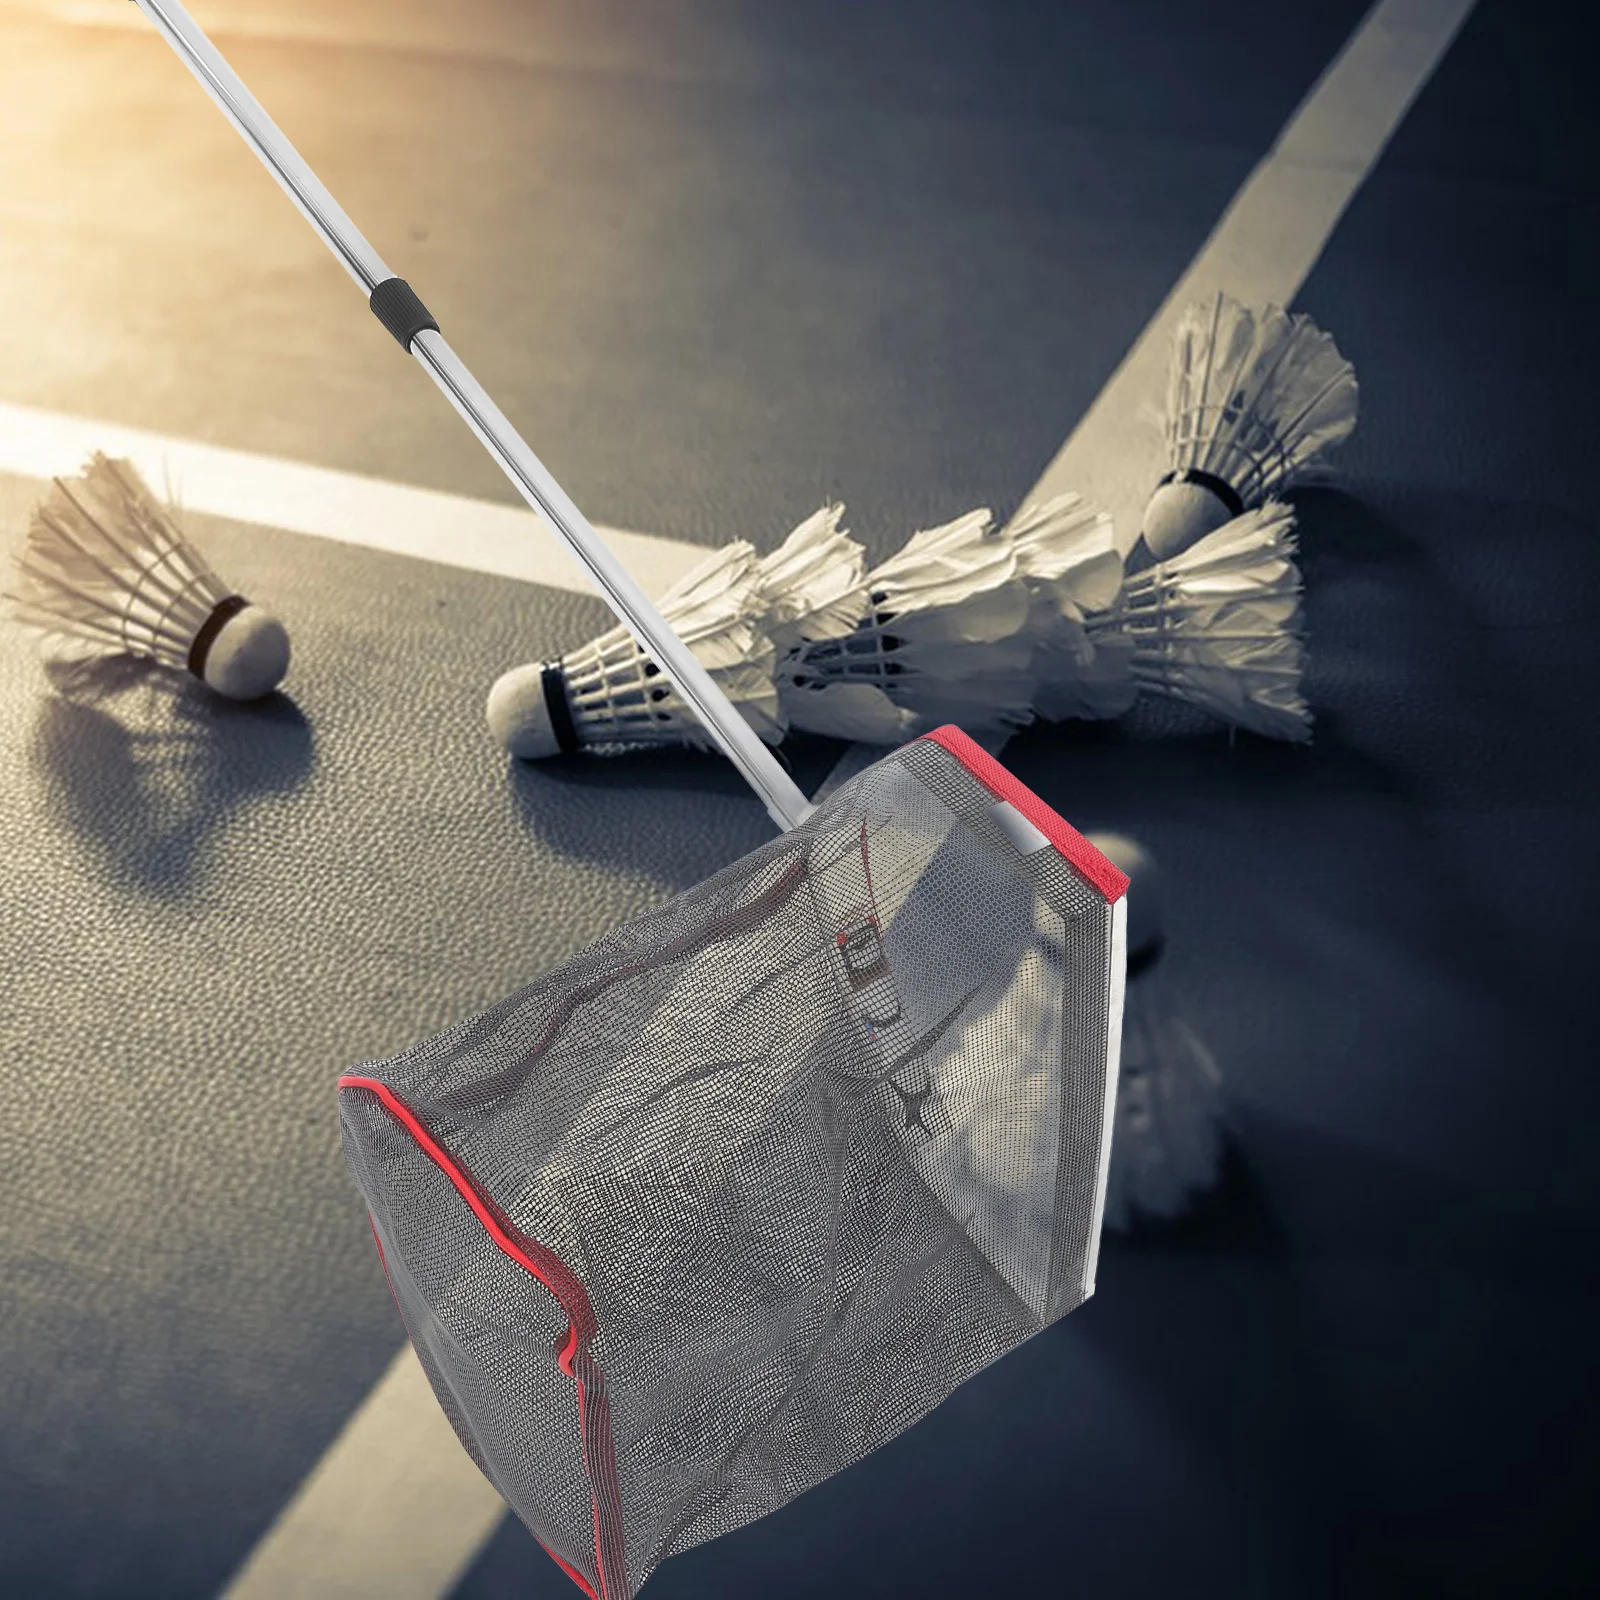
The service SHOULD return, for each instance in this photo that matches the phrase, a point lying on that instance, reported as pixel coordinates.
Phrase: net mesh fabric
(755, 1181)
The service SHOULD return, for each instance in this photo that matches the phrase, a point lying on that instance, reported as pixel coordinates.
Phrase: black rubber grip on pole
(395, 304)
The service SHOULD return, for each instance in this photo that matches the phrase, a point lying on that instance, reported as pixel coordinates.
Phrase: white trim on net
(1108, 1109)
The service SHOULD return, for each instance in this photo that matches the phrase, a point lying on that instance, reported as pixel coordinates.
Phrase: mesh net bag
(756, 1180)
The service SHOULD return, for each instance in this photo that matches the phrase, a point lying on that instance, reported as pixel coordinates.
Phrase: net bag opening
(751, 1184)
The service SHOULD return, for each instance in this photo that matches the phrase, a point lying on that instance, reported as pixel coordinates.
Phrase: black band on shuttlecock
(395, 304)
(554, 683)
(221, 615)
(1141, 960)
(1220, 487)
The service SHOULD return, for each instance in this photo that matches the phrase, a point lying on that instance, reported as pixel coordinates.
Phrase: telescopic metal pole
(405, 316)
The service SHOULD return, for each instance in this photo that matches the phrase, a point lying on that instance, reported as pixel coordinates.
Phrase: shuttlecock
(1219, 626)
(1255, 400)
(1066, 550)
(1167, 1139)
(609, 691)
(105, 572)
(941, 635)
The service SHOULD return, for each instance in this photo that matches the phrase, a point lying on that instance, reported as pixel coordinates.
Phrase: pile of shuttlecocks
(105, 574)
(992, 626)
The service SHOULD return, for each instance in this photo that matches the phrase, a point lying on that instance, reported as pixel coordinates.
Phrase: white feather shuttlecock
(1067, 552)
(941, 635)
(1167, 1138)
(1219, 626)
(1256, 398)
(609, 691)
(105, 572)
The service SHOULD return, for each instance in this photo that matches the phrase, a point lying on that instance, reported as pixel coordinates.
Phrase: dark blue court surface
(719, 261)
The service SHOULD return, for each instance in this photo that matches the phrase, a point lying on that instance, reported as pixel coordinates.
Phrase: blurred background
(720, 260)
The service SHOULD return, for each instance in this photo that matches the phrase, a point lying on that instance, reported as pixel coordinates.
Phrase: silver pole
(737, 739)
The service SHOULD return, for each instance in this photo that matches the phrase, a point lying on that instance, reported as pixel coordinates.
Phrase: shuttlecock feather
(106, 572)
(1067, 552)
(609, 691)
(1219, 626)
(1167, 1138)
(812, 586)
(941, 635)
(1255, 401)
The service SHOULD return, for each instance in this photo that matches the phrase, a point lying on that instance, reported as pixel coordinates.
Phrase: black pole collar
(395, 304)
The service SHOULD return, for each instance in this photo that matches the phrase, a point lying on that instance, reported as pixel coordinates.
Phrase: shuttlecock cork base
(105, 572)
(1184, 509)
(240, 651)
(528, 712)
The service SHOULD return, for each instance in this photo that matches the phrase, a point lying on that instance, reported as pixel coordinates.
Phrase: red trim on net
(1079, 853)
(570, 1294)
(572, 1572)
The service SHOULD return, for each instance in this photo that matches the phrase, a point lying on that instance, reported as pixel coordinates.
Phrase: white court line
(506, 540)
(395, 1508)
(353, 1530)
